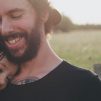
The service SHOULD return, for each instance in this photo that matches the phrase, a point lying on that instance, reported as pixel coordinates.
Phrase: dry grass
(81, 48)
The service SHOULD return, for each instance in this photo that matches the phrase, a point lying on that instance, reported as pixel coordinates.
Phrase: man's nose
(6, 26)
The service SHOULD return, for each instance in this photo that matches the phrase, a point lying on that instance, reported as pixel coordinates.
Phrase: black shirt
(65, 83)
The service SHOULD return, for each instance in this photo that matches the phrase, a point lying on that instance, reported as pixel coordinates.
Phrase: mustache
(13, 35)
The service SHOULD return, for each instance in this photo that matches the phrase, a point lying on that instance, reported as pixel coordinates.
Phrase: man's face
(7, 71)
(19, 29)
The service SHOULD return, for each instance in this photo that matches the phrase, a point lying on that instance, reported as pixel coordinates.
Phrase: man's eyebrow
(15, 10)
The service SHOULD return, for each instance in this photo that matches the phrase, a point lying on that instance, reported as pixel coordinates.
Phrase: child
(7, 71)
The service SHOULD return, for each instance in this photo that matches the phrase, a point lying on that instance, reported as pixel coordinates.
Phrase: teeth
(13, 41)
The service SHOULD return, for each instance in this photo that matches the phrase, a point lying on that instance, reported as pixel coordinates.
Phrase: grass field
(81, 48)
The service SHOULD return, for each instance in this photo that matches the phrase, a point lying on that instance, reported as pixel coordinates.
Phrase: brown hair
(54, 15)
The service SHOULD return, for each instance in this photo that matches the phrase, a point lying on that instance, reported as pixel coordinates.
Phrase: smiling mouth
(13, 39)
(14, 42)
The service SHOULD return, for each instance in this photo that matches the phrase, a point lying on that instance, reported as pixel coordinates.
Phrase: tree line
(67, 25)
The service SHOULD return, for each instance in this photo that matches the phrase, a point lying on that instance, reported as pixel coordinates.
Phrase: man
(43, 76)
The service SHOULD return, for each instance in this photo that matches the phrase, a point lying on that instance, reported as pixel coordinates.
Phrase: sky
(80, 11)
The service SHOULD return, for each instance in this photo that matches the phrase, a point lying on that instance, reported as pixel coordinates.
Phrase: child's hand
(3, 78)
(7, 71)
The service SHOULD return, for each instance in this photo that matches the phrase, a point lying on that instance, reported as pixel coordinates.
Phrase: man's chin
(17, 55)
(19, 59)
(15, 58)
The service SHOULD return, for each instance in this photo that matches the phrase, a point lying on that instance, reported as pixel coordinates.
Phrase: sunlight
(80, 11)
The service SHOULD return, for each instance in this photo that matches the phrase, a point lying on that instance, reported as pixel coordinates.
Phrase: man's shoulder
(70, 68)
(76, 72)
(80, 78)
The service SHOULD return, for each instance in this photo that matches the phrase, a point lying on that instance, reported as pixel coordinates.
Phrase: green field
(81, 48)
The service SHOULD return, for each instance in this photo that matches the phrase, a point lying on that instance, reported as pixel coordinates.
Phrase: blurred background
(77, 38)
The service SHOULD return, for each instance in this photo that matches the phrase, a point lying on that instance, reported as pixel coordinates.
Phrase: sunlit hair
(54, 17)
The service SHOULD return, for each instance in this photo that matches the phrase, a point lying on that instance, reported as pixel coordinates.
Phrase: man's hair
(54, 16)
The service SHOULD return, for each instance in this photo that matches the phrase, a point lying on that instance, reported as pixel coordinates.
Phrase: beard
(33, 40)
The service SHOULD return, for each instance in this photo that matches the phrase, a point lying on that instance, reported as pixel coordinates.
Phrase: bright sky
(80, 11)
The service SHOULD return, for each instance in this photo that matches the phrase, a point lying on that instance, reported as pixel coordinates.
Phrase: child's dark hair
(1, 52)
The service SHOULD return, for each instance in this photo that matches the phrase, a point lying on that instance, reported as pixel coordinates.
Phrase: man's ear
(45, 16)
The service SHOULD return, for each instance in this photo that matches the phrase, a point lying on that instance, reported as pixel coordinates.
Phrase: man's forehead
(7, 5)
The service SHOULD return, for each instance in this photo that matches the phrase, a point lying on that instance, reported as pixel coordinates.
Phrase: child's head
(7, 71)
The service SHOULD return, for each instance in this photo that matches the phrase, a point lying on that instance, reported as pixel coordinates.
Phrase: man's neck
(40, 66)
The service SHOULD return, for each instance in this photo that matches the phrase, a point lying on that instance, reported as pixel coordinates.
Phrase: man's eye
(16, 15)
